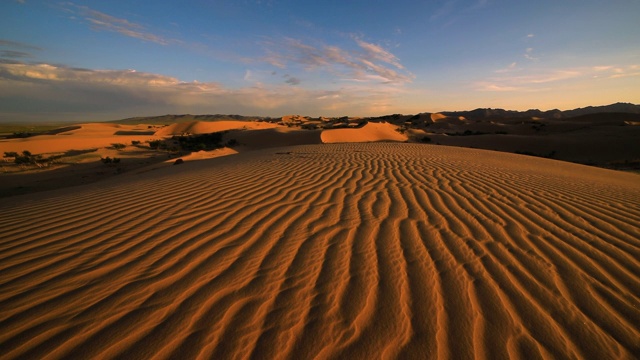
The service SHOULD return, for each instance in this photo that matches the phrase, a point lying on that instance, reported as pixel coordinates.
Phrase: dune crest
(371, 132)
(332, 251)
(205, 127)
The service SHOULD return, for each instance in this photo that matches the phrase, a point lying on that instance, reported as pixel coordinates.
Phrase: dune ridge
(329, 251)
(204, 127)
(371, 132)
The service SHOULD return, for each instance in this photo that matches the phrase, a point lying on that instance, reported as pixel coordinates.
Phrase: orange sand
(204, 127)
(352, 251)
(88, 136)
(371, 132)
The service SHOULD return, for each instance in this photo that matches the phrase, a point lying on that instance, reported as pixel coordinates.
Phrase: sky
(106, 60)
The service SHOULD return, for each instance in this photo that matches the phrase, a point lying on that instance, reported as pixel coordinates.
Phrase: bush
(135, 142)
(12, 154)
(109, 160)
(26, 158)
(118, 146)
(154, 144)
(23, 160)
(200, 142)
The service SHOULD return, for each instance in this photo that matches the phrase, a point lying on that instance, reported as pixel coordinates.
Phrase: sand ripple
(332, 251)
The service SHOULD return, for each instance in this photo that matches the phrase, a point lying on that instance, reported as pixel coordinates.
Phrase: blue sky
(99, 60)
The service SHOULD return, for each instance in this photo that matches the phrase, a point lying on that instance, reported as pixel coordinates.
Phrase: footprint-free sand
(352, 251)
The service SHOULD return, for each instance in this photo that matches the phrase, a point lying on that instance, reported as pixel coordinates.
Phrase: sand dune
(204, 127)
(353, 251)
(371, 132)
(82, 137)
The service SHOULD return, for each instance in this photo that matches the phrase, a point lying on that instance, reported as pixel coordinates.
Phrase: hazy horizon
(96, 61)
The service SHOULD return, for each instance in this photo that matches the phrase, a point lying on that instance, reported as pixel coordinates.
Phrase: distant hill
(170, 119)
(487, 113)
(477, 114)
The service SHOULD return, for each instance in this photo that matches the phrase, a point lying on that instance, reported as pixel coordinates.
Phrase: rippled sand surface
(348, 251)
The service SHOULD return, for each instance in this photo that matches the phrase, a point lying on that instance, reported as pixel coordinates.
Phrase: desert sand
(371, 132)
(353, 251)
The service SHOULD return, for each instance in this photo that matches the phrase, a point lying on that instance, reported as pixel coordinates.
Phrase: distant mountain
(477, 114)
(170, 119)
(613, 108)
(487, 113)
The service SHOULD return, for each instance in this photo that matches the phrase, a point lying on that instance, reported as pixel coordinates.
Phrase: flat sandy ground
(352, 251)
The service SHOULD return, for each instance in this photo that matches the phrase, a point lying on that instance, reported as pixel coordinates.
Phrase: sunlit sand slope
(353, 251)
(371, 132)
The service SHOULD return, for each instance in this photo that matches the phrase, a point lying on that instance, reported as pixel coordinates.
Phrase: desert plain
(428, 237)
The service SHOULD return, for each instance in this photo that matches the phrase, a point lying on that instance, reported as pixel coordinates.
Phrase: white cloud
(30, 72)
(57, 92)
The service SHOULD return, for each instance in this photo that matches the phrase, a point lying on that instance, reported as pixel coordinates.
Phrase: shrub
(154, 144)
(200, 142)
(135, 142)
(12, 154)
(108, 160)
(118, 146)
(25, 158)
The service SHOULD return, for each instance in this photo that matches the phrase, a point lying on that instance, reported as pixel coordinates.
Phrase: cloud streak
(537, 80)
(100, 21)
(15, 50)
(367, 62)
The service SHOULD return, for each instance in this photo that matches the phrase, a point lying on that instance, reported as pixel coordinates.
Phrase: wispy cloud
(104, 22)
(528, 54)
(512, 67)
(291, 80)
(537, 80)
(367, 62)
(16, 50)
(443, 10)
(488, 86)
(378, 53)
(18, 45)
(449, 12)
(13, 54)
